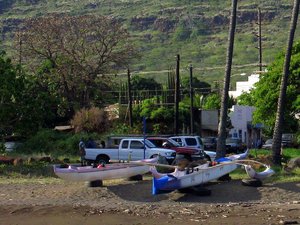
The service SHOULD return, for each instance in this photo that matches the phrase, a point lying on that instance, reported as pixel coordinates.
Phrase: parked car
(187, 152)
(234, 145)
(11, 145)
(209, 143)
(268, 144)
(289, 140)
(193, 141)
(128, 149)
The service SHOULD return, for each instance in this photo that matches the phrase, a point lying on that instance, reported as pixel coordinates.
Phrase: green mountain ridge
(197, 30)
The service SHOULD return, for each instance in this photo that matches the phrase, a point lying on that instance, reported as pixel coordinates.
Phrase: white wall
(240, 116)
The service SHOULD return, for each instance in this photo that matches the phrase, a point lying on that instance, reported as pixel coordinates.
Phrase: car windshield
(269, 141)
(173, 143)
(149, 144)
(200, 141)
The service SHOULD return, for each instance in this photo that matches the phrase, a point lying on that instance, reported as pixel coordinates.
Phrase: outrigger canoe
(190, 177)
(107, 172)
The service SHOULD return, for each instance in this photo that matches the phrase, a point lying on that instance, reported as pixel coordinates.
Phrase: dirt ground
(131, 203)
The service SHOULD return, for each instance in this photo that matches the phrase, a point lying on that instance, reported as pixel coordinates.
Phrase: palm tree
(276, 147)
(221, 151)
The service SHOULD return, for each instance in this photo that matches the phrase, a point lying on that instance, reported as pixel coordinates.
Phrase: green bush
(2, 148)
(54, 143)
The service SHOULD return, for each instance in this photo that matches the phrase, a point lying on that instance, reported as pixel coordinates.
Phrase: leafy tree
(162, 114)
(24, 105)
(10, 91)
(147, 107)
(141, 83)
(161, 117)
(212, 101)
(246, 99)
(200, 86)
(77, 53)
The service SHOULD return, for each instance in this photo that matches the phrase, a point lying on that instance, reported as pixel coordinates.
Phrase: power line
(182, 70)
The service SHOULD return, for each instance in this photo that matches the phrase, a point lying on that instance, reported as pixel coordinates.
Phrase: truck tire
(102, 159)
(188, 157)
(252, 182)
(154, 156)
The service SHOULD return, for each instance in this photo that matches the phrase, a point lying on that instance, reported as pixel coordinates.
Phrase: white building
(241, 117)
(244, 86)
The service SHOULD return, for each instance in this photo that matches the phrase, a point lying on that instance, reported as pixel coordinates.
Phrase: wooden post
(259, 40)
(177, 95)
(129, 99)
(192, 101)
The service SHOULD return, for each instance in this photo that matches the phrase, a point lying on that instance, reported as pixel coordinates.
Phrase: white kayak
(166, 182)
(106, 172)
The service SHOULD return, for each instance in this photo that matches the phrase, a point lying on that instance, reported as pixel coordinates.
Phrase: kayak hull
(108, 172)
(194, 176)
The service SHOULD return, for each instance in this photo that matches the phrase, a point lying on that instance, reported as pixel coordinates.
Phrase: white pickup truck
(129, 149)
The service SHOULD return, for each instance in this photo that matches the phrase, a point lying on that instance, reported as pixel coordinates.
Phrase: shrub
(42, 142)
(90, 120)
(2, 148)
(56, 144)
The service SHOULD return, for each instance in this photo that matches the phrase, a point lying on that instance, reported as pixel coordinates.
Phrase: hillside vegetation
(195, 29)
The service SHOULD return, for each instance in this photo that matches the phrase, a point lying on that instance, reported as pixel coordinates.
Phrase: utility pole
(177, 96)
(129, 99)
(259, 40)
(192, 100)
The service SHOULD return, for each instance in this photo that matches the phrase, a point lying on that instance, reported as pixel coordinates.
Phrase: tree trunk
(277, 135)
(221, 147)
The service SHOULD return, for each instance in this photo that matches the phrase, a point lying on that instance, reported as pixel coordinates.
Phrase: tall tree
(10, 90)
(201, 87)
(24, 105)
(277, 136)
(142, 83)
(221, 151)
(78, 52)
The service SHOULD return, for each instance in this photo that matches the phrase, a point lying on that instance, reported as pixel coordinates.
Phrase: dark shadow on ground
(222, 192)
(139, 191)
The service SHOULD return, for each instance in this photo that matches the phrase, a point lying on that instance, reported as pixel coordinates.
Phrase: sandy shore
(131, 202)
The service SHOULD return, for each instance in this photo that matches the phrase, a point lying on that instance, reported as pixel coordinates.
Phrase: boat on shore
(190, 177)
(104, 172)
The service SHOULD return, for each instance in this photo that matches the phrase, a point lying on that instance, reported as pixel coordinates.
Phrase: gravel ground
(131, 202)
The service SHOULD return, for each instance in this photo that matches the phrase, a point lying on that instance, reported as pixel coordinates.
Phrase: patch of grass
(36, 169)
(288, 153)
(17, 179)
(280, 175)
